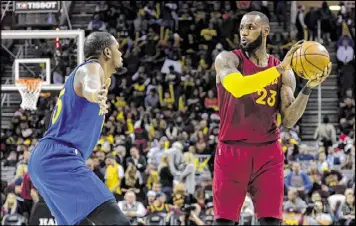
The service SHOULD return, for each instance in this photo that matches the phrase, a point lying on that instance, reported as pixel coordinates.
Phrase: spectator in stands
(334, 158)
(345, 37)
(27, 193)
(152, 176)
(325, 133)
(152, 99)
(347, 77)
(180, 197)
(348, 209)
(349, 93)
(311, 21)
(280, 9)
(114, 174)
(165, 175)
(326, 22)
(155, 153)
(304, 154)
(11, 206)
(315, 177)
(132, 181)
(120, 152)
(331, 179)
(57, 77)
(178, 168)
(137, 160)
(20, 173)
(92, 164)
(348, 111)
(301, 27)
(345, 53)
(96, 24)
(211, 102)
(294, 202)
(298, 180)
(322, 163)
(159, 205)
(150, 198)
(132, 208)
(320, 217)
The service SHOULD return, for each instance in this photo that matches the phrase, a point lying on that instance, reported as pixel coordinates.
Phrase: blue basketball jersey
(75, 120)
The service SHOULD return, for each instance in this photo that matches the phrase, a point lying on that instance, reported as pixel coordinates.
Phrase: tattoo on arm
(291, 108)
(225, 63)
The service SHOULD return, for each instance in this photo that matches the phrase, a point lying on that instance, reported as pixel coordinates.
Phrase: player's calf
(107, 213)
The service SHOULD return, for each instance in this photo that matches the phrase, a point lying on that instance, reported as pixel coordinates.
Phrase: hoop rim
(28, 80)
(31, 84)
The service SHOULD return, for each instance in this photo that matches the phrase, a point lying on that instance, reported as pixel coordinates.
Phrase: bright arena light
(334, 7)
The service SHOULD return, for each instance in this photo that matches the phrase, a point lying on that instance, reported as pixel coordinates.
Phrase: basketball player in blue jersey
(74, 194)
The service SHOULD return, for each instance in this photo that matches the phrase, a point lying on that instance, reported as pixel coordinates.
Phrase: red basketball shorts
(254, 168)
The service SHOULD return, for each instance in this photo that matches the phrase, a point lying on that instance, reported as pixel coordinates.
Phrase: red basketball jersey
(250, 118)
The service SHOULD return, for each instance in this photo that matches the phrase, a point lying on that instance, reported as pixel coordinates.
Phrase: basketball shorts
(254, 168)
(70, 189)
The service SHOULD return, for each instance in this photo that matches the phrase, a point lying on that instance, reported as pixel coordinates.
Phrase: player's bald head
(257, 17)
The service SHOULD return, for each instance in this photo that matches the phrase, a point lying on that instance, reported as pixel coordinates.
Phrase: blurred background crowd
(156, 151)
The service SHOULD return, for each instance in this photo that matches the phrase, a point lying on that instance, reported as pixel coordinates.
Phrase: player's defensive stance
(73, 193)
(252, 88)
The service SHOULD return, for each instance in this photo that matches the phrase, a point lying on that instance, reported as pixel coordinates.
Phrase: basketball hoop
(29, 89)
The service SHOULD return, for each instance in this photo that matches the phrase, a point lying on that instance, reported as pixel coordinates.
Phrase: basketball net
(29, 89)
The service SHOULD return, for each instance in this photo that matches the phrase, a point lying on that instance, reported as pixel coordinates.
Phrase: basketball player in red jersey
(252, 88)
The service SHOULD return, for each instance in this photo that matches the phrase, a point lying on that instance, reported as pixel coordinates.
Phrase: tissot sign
(36, 6)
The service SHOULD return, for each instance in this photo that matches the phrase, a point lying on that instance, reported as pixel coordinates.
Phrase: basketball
(310, 60)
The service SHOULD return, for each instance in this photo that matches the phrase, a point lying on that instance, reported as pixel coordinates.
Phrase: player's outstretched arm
(89, 79)
(226, 64)
(293, 108)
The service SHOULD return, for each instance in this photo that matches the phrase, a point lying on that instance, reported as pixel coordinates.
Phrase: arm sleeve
(239, 85)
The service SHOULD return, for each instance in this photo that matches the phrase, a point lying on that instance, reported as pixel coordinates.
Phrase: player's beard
(251, 47)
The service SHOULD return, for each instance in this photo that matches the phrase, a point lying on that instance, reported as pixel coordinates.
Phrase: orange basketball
(310, 60)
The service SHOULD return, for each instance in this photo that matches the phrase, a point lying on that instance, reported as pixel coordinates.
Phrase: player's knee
(224, 222)
(269, 221)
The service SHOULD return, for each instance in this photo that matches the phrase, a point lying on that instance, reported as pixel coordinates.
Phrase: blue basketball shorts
(70, 189)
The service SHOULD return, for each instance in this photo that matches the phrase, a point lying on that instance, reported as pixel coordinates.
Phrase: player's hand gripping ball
(311, 61)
